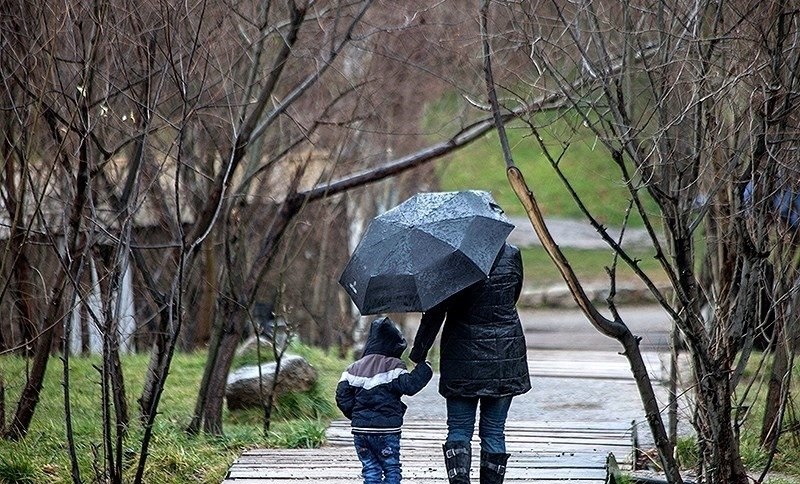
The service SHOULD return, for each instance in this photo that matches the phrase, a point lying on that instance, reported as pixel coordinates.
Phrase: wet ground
(577, 374)
(573, 233)
(568, 329)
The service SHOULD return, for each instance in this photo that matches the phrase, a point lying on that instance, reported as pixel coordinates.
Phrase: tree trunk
(717, 441)
(111, 314)
(113, 369)
(778, 378)
(233, 316)
(233, 321)
(208, 292)
(158, 356)
(211, 361)
(784, 342)
(29, 397)
(2, 406)
(15, 250)
(672, 405)
(67, 392)
(615, 329)
(21, 292)
(651, 406)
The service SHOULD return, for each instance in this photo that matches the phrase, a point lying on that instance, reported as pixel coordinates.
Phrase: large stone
(242, 390)
(251, 346)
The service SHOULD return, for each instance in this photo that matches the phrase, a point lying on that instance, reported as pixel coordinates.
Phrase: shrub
(19, 468)
(299, 434)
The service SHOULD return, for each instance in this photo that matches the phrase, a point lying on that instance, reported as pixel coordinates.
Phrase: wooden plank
(591, 364)
(585, 469)
(513, 427)
(348, 480)
(617, 427)
(561, 426)
(552, 447)
(593, 479)
(541, 453)
(520, 437)
(411, 474)
(409, 459)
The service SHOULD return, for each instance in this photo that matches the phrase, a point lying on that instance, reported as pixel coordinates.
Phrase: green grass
(585, 163)
(588, 264)
(787, 460)
(786, 464)
(175, 457)
(16, 468)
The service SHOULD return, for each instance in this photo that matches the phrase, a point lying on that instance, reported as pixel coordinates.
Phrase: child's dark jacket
(370, 389)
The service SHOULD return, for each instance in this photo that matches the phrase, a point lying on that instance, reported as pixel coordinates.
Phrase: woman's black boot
(493, 467)
(457, 460)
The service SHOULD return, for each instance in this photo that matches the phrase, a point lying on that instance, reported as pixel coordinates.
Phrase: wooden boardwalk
(599, 365)
(541, 453)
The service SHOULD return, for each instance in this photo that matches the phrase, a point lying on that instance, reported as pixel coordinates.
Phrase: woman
(483, 361)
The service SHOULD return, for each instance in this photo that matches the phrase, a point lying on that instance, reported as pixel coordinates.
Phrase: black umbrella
(424, 250)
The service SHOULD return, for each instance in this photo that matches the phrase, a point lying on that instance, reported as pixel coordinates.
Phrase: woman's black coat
(483, 351)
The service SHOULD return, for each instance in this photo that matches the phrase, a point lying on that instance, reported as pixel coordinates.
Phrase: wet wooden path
(541, 453)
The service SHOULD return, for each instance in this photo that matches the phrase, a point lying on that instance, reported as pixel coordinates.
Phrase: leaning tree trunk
(214, 392)
(778, 380)
(2, 405)
(784, 342)
(29, 398)
(15, 249)
(70, 267)
(233, 314)
(616, 329)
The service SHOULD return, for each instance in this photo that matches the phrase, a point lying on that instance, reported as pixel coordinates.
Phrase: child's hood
(385, 339)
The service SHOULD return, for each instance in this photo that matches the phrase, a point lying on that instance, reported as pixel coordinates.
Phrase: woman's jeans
(380, 457)
(491, 429)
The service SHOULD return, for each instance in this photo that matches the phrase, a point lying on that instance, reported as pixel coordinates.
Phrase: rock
(250, 344)
(242, 390)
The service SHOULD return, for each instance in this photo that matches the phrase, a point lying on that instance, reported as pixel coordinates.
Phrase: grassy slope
(590, 172)
(585, 163)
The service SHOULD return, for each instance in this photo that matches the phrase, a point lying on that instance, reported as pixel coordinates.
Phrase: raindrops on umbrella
(424, 250)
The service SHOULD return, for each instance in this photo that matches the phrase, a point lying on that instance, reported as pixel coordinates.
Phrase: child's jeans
(380, 457)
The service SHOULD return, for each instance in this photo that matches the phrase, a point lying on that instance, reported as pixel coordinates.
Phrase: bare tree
(615, 327)
(156, 128)
(688, 120)
(146, 135)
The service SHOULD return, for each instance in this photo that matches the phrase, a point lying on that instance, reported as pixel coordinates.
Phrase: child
(369, 395)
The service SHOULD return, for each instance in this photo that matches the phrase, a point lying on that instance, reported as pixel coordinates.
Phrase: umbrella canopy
(424, 250)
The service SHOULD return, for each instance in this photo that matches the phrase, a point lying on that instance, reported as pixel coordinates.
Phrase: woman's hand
(417, 354)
